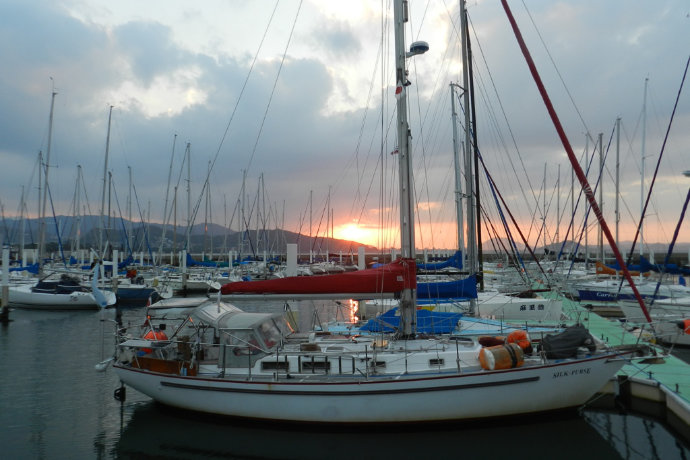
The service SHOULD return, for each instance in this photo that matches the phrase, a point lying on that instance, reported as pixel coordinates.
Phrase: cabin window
(275, 366)
(436, 362)
(269, 333)
(316, 365)
(378, 364)
(240, 348)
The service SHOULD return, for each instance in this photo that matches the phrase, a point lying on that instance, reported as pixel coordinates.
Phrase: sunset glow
(354, 232)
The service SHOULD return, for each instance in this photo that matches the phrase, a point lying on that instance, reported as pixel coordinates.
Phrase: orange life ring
(154, 335)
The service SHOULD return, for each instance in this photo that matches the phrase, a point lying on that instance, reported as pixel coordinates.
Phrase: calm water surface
(54, 405)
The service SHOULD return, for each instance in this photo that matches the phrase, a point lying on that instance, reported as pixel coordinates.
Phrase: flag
(98, 295)
(399, 90)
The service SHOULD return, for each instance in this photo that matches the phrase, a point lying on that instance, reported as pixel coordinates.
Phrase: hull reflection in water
(157, 431)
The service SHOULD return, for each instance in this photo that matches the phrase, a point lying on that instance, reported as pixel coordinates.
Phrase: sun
(354, 232)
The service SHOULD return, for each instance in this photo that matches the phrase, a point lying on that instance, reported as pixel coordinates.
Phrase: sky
(295, 100)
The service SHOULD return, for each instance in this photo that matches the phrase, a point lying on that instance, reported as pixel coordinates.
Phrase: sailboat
(221, 360)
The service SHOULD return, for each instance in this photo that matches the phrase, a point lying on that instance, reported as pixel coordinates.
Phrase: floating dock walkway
(658, 387)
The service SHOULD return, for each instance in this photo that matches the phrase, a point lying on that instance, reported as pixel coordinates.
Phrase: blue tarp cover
(465, 288)
(453, 261)
(428, 322)
(195, 263)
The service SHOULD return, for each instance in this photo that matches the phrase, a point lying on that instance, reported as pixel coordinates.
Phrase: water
(54, 404)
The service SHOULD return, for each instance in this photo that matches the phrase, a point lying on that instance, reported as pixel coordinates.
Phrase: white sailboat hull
(23, 297)
(405, 398)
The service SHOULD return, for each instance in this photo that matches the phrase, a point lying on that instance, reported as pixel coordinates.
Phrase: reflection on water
(156, 431)
(53, 404)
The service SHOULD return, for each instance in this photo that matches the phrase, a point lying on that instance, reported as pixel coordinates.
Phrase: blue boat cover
(428, 322)
(195, 263)
(33, 268)
(453, 261)
(464, 288)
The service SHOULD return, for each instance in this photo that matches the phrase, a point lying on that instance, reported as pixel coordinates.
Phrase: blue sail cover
(642, 268)
(195, 263)
(428, 322)
(673, 269)
(458, 289)
(454, 261)
(122, 265)
(33, 268)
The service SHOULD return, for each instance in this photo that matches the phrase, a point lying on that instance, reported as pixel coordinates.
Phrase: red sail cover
(393, 277)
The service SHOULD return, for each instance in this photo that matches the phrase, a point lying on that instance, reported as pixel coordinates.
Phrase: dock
(658, 386)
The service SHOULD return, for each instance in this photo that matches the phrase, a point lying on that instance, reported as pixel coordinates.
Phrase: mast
(105, 180)
(189, 198)
(543, 219)
(407, 298)
(475, 144)
(558, 204)
(618, 149)
(587, 206)
(42, 234)
(600, 234)
(644, 142)
(77, 207)
(407, 237)
(23, 228)
(469, 185)
(167, 195)
(130, 233)
(458, 175)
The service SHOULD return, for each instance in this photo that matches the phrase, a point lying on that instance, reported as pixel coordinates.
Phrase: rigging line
(124, 230)
(143, 221)
(355, 157)
(670, 248)
(505, 205)
(571, 224)
(585, 218)
(558, 72)
(571, 154)
(57, 228)
(415, 193)
(506, 228)
(275, 83)
(237, 103)
(505, 116)
(661, 154)
(515, 258)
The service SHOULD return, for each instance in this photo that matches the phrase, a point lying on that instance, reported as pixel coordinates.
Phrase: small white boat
(65, 293)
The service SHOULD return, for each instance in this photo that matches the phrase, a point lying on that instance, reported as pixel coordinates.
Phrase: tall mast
(105, 180)
(407, 237)
(644, 142)
(130, 233)
(189, 198)
(558, 204)
(458, 174)
(600, 233)
(42, 233)
(618, 149)
(22, 218)
(469, 185)
(77, 206)
(543, 219)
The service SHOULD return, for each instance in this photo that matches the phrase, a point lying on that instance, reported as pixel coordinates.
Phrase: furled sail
(393, 277)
